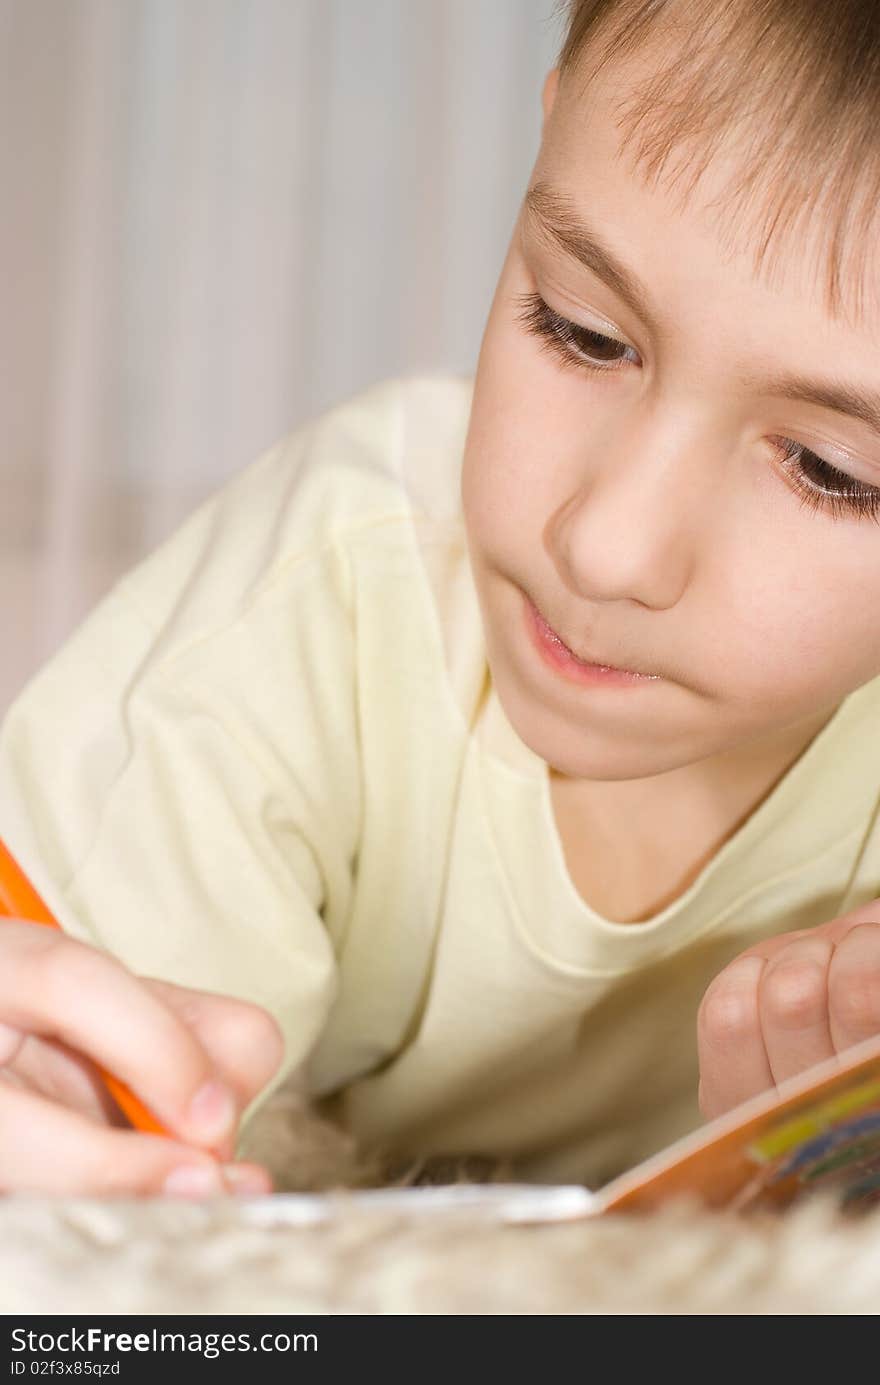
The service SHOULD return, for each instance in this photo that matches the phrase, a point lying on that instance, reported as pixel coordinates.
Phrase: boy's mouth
(562, 658)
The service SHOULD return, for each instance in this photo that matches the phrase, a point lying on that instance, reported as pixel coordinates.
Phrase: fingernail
(212, 1110)
(193, 1180)
(244, 1180)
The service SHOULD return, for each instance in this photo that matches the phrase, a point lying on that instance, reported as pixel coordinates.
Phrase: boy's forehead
(623, 123)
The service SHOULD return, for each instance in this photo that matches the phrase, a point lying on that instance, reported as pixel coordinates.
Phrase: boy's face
(648, 509)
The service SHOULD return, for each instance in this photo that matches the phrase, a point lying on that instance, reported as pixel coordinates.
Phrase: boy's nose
(635, 516)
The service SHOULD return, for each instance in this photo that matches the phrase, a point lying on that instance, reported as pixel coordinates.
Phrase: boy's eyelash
(819, 485)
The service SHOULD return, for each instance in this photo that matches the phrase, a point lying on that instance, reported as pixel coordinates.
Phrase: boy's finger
(57, 1151)
(243, 1040)
(854, 987)
(55, 986)
(793, 1003)
(733, 1061)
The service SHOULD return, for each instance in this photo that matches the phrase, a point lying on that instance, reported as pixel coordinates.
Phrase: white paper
(505, 1202)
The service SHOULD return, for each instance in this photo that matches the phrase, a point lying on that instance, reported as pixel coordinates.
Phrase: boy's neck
(633, 846)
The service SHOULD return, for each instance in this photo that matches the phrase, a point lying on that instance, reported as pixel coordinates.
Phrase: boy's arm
(164, 823)
(182, 780)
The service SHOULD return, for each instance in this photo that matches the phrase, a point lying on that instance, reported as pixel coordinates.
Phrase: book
(817, 1132)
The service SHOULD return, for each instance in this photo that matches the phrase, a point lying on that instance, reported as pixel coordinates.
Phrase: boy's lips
(552, 643)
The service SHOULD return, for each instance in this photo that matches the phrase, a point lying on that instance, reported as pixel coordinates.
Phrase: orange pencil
(19, 899)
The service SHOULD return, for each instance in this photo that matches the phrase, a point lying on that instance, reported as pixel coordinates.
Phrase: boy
(505, 754)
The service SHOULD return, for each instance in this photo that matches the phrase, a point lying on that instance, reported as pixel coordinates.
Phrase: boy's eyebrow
(560, 223)
(827, 394)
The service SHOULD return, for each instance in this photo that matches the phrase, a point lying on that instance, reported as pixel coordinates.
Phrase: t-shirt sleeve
(182, 780)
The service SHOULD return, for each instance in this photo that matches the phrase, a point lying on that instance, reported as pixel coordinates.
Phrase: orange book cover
(817, 1131)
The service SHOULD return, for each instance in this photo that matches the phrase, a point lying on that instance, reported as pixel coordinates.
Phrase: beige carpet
(87, 1256)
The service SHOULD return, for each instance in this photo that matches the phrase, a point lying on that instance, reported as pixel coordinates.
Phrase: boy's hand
(194, 1059)
(787, 1003)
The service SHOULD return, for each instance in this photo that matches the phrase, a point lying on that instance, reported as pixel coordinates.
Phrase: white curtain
(219, 217)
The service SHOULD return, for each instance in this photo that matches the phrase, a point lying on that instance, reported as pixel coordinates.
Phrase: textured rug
(80, 1256)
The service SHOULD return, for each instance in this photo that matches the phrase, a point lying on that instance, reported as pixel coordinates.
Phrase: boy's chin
(576, 753)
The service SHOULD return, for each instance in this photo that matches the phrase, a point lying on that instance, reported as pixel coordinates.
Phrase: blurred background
(219, 218)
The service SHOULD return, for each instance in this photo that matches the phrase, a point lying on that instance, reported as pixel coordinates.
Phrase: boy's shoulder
(393, 448)
(398, 444)
(389, 454)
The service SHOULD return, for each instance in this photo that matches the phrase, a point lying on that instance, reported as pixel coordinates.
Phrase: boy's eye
(819, 485)
(578, 346)
(822, 486)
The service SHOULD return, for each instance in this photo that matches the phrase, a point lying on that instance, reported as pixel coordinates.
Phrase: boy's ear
(548, 95)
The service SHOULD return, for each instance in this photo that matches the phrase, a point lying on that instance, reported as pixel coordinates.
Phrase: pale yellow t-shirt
(272, 763)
